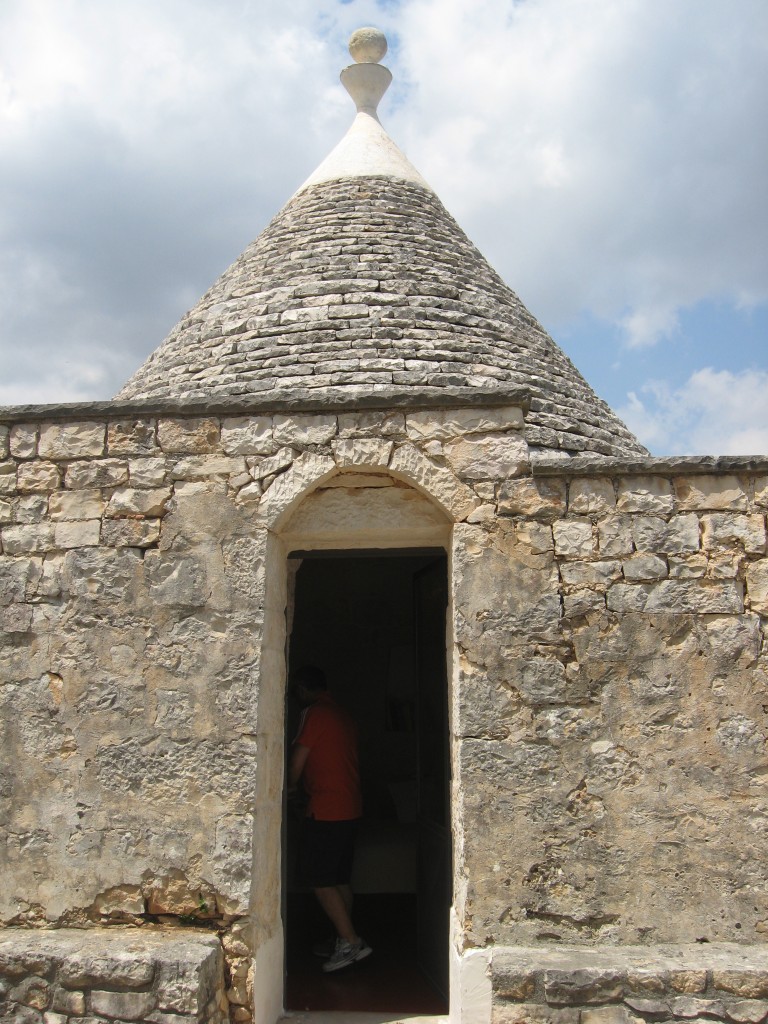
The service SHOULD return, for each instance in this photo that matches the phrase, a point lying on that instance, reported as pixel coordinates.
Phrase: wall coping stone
(589, 465)
(299, 400)
(709, 956)
(59, 943)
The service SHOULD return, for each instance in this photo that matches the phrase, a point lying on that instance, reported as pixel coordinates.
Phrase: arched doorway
(367, 601)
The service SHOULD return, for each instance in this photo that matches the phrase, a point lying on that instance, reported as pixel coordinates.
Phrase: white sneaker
(347, 953)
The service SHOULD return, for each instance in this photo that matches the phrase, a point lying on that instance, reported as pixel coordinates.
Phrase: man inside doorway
(324, 758)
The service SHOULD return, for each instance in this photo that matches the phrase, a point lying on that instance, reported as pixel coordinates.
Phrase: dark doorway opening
(375, 622)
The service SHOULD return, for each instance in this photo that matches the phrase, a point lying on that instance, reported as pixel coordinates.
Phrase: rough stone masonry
(608, 687)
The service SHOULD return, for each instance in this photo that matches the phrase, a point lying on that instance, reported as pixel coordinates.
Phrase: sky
(609, 158)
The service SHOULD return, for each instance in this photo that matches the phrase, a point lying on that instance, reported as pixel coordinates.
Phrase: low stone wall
(572, 985)
(51, 977)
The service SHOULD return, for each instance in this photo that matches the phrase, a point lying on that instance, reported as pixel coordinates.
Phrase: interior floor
(388, 981)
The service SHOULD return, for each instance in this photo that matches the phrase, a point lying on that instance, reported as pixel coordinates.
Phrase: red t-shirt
(331, 775)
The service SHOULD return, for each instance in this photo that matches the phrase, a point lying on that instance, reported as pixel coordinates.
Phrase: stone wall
(718, 982)
(607, 661)
(58, 976)
(612, 706)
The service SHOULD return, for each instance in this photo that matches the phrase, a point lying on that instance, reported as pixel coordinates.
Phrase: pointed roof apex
(366, 150)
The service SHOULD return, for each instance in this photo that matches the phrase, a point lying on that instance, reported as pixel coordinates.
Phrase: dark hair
(310, 678)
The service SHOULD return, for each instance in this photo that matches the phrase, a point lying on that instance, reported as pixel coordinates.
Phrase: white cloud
(713, 413)
(616, 154)
(606, 156)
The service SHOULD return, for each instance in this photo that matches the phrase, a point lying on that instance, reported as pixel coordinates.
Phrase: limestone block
(484, 514)
(535, 536)
(247, 436)
(365, 512)
(616, 1014)
(757, 587)
(749, 984)
(99, 473)
(7, 477)
(301, 430)
(614, 536)
(724, 566)
(131, 437)
(188, 436)
(362, 452)
(38, 476)
(260, 469)
(691, 567)
(761, 491)
(722, 529)
(544, 498)
(130, 533)
(487, 458)
(25, 540)
(32, 508)
(100, 574)
(703, 597)
(68, 1001)
(176, 580)
(573, 538)
(19, 578)
(250, 493)
(180, 984)
(593, 575)
(71, 440)
(50, 584)
(678, 536)
(115, 968)
(582, 985)
(74, 505)
(80, 534)
(651, 495)
(371, 424)
(445, 424)
(723, 492)
(594, 494)
(4, 441)
(16, 618)
(582, 602)
(352, 479)
(6, 512)
(31, 992)
(129, 502)
(452, 495)
(201, 467)
(123, 1005)
(533, 1013)
(645, 567)
(120, 901)
(23, 441)
(747, 1011)
(149, 472)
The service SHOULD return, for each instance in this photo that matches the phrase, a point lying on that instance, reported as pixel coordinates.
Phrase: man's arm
(299, 756)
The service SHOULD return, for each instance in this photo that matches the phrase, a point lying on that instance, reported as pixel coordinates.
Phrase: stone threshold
(355, 1017)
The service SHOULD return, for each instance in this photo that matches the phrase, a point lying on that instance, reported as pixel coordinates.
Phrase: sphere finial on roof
(366, 81)
(367, 45)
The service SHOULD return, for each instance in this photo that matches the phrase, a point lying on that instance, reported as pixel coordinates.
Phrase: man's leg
(346, 895)
(332, 899)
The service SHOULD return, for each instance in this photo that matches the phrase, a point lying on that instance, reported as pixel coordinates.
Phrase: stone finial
(366, 81)
(367, 45)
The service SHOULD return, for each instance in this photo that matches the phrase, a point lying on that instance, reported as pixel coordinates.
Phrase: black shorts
(327, 851)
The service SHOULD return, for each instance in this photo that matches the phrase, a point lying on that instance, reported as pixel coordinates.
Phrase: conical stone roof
(362, 283)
